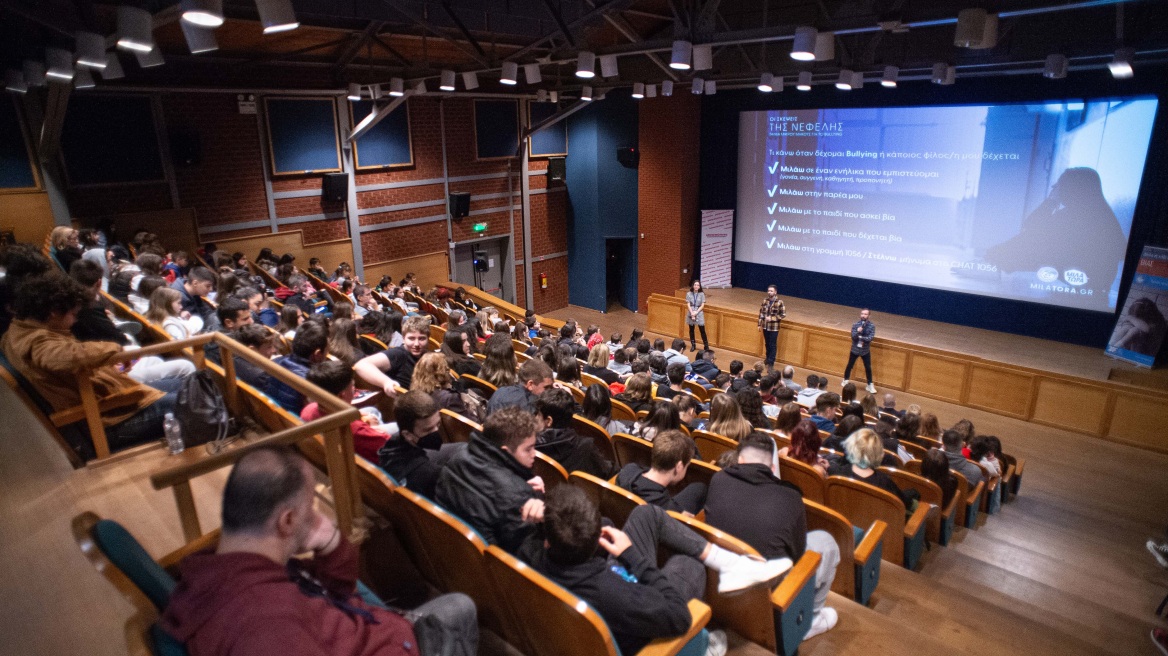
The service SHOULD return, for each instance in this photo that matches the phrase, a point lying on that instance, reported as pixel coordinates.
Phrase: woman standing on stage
(695, 298)
(769, 316)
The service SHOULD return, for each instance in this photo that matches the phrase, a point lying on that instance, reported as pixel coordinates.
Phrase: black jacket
(94, 325)
(573, 452)
(409, 465)
(632, 478)
(705, 369)
(877, 479)
(752, 504)
(607, 375)
(636, 613)
(633, 404)
(487, 488)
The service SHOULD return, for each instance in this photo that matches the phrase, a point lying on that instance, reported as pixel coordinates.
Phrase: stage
(1063, 385)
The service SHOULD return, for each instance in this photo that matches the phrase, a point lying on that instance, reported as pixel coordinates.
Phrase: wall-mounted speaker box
(335, 187)
(185, 148)
(557, 168)
(459, 204)
(628, 157)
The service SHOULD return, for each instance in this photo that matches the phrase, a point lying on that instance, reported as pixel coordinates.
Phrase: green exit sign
(480, 227)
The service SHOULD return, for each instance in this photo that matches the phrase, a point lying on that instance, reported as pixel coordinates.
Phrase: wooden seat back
(859, 568)
(917, 451)
(632, 450)
(36, 411)
(805, 477)
(695, 389)
(614, 502)
(697, 472)
(940, 523)
(485, 388)
(622, 412)
(552, 472)
(712, 445)
(600, 438)
(576, 392)
(437, 332)
(864, 504)
(456, 428)
(518, 346)
(589, 380)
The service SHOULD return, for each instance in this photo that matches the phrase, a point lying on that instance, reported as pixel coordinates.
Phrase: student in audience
(385, 327)
(261, 341)
(688, 411)
(343, 343)
(620, 363)
(233, 314)
(309, 347)
(464, 299)
(722, 382)
(664, 416)
(93, 251)
(638, 394)
(316, 269)
(930, 427)
(94, 323)
(456, 350)
(935, 467)
(20, 261)
(750, 403)
(736, 367)
(848, 393)
(789, 379)
(634, 338)
(672, 452)
(415, 456)
(846, 427)
(290, 319)
(39, 345)
(431, 376)
(643, 350)
(705, 365)
(533, 378)
(395, 366)
(674, 375)
(826, 409)
(726, 418)
(868, 403)
(766, 389)
(558, 439)
(149, 267)
(499, 366)
(907, 429)
(261, 311)
(890, 405)
(965, 429)
(304, 296)
(806, 396)
(805, 445)
(789, 417)
(748, 501)
(597, 407)
(982, 451)
(194, 289)
(365, 303)
(65, 246)
(226, 286)
(166, 311)
(676, 353)
(343, 310)
(336, 378)
(598, 362)
(251, 596)
(568, 371)
(864, 452)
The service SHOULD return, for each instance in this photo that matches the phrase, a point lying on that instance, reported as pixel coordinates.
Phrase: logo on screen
(1075, 277)
(1048, 274)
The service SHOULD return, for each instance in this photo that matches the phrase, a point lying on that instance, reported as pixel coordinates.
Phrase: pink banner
(717, 247)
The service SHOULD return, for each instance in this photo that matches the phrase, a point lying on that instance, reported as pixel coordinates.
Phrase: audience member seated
(984, 450)
(65, 246)
(676, 353)
(842, 432)
(93, 321)
(805, 445)
(20, 261)
(935, 467)
(336, 378)
(789, 417)
(890, 405)
(864, 452)
(304, 297)
(672, 452)
(263, 342)
(499, 365)
(568, 371)
(806, 397)
(748, 501)
(750, 403)
(705, 365)
(826, 408)
(456, 349)
(930, 427)
(965, 429)
(558, 439)
(766, 389)
(907, 429)
(343, 344)
(951, 440)
(789, 379)
(416, 455)
(638, 394)
(194, 289)
(620, 362)
(395, 365)
(40, 346)
(736, 380)
(663, 416)
(261, 311)
(597, 407)
(726, 418)
(290, 319)
(309, 347)
(431, 376)
(251, 596)
(598, 365)
(689, 410)
(534, 376)
(847, 393)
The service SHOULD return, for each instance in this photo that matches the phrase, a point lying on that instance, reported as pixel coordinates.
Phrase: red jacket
(367, 441)
(244, 604)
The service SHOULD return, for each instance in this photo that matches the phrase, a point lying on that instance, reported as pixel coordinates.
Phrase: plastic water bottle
(174, 439)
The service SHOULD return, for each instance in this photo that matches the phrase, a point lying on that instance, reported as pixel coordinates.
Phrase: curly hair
(430, 374)
(40, 297)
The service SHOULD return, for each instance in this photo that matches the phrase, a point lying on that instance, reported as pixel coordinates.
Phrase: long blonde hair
(59, 237)
(160, 302)
(726, 418)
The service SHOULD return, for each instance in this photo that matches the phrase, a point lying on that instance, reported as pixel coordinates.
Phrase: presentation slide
(1019, 201)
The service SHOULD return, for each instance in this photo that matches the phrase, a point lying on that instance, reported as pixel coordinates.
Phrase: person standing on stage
(863, 332)
(695, 299)
(769, 316)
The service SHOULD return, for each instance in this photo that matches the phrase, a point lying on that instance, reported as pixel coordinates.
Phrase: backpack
(201, 410)
(476, 405)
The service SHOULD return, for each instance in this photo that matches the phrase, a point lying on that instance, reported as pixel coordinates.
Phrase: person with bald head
(251, 596)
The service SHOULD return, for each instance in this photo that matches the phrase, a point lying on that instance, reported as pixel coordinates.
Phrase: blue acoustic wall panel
(549, 141)
(388, 143)
(15, 166)
(302, 133)
(496, 128)
(110, 139)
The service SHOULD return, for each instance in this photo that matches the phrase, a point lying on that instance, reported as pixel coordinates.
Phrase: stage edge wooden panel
(1109, 410)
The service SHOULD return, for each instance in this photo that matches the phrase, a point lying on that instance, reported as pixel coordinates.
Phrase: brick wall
(667, 203)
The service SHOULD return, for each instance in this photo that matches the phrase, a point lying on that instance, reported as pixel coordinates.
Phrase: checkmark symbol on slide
(772, 191)
(771, 209)
(771, 242)
(773, 167)
(771, 227)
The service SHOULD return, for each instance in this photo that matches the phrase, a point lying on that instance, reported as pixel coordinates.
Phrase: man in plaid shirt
(769, 316)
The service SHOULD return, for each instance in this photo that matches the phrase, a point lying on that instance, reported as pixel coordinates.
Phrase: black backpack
(201, 410)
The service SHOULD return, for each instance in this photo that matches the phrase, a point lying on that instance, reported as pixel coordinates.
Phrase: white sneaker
(824, 621)
(746, 572)
(718, 643)
(871, 389)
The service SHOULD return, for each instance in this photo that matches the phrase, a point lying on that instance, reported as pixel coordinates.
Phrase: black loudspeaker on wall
(335, 187)
(185, 148)
(459, 204)
(557, 168)
(628, 157)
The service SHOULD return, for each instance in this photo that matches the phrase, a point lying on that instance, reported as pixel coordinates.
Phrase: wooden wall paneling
(331, 253)
(1071, 404)
(938, 377)
(792, 346)
(740, 332)
(713, 328)
(279, 242)
(666, 315)
(827, 352)
(178, 229)
(28, 215)
(431, 268)
(1139, 420)
(889, 366)
(1000, 390)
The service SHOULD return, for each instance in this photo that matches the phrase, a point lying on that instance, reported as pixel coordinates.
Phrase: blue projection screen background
(1021, 201)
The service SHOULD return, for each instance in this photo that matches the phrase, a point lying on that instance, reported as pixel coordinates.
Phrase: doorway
(620, 274)
(484, 264)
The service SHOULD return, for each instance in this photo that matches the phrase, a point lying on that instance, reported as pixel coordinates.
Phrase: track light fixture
(541, 95)
(844, 83)
(638, 90)
(803, 47)
(944, 74)
(531, 72)
(470, 80)
(804, 81)
(199, 39)
(554, 96)
(113, 67)
(354, 92)
(83, 79)
(510, 73)
(711, 87)
(608, 66)
(1120, 66)
(59, 64)
(697, 86)
(204, 13)
(585, 65)
(703, 57)
(397, 87)
(277, 15)
(150, 59)
(90, 49)
(586, 93)
(1056, 67)
(667, 87)
(766, 83)
(679, 58)
(135, 29)
(420, 87)
(446, 81)
(651, 91)
(14, 81)
(824, 46)
(891, 74)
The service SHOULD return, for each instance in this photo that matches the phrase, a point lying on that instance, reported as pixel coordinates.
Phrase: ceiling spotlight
(83, 79)
(1120, 66)
(638, 90)
(420, 87)
(586, 93)
(397, 87)
(375, 92)
(510, 74)
(976, 29)
(531, 72)
(470, 80)
(14, 81)
(891, 73)
(1056, 67)
(59, 64)
(766, 83)
(698, 86)
(711, 87)
(944, 74)
(667, 87)
(585, 65)
(135, 29)
(824, 46)
(803, 48)
(541, 95)
(113, 67)
(679, 59)
(150, 59)
(844, 83)
(199, 39)
(204, 13)
(804, 81)
(651, 91)
(554, 96)
(608, 66)
(354, 92)
(703, 57)
(446, 81)
(34, 73)
(90, 49)
(277, 15)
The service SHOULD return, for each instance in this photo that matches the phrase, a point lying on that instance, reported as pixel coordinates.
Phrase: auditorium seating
(622, 412)
(456, 428)
(859, 568)
(631, 449)
(614, 502)
(552, 472)
(862, 504)
(600, 438)
(940, 524)
(712, 445)
(476, 383)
